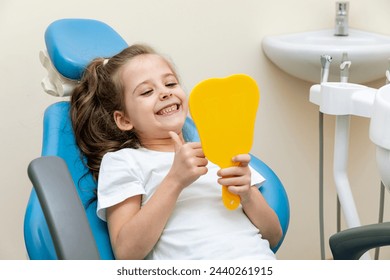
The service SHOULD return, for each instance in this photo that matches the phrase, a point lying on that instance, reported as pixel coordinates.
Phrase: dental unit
(343, 59)
(343, 99)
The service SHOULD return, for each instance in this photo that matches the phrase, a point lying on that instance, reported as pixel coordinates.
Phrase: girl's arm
(263, 216)
(134, 230)
(238, 178)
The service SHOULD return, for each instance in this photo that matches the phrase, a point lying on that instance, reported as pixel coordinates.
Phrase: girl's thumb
(176, 140)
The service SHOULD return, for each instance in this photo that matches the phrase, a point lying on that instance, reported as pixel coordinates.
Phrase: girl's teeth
(168, 110)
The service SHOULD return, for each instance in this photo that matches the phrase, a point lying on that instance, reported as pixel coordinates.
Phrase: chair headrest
(71, 45)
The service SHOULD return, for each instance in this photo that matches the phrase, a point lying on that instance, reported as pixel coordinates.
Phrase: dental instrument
(325, 63)
(344, 68)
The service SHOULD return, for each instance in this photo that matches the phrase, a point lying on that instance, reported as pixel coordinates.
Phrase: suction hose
(325, 64)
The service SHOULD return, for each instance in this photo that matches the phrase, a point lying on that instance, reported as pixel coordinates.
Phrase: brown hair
(94, 100)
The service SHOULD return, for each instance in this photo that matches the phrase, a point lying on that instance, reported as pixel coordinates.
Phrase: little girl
(160, 196)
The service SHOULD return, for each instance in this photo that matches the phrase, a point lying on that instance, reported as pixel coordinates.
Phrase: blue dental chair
(60, 220)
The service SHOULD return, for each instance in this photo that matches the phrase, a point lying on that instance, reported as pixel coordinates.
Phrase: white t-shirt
(200, 226)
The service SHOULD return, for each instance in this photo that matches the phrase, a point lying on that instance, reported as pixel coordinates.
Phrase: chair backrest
(71, 45)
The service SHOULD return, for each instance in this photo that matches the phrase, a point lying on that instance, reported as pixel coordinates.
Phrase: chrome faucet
(341, 27)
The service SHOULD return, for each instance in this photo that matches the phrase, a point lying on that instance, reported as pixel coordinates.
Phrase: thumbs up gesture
(189, 162)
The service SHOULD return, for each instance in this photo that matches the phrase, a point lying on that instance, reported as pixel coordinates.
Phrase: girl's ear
(122, 121)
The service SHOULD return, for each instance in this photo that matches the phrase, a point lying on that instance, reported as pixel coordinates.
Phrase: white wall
(205, 39)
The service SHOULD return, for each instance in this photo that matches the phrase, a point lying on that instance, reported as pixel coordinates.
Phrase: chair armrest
(63, 210)
(351, 244)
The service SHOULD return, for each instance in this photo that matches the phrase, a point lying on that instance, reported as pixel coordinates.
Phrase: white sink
(298, 54)
(380, 132)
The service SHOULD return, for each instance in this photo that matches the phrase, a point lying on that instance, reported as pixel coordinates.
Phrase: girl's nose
(165, 95)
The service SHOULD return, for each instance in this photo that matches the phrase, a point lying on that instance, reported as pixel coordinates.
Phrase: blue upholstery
(73, 43)
(58, 138)
(274, 193)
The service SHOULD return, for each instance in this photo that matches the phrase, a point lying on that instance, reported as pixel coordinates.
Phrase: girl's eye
(171, 84)
(148, 92)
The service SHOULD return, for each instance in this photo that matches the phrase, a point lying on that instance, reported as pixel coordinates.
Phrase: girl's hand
(238, 181)
(237, 178)
(189, 162)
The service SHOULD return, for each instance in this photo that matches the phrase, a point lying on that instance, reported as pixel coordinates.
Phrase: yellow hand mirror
(224, 113)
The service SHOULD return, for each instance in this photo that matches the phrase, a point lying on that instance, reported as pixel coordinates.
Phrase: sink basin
(380, 132)
(298, 54)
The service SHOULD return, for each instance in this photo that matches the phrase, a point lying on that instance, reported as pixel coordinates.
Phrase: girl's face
(155, 103)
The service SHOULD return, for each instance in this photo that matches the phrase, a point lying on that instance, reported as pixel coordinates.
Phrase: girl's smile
(169, 110)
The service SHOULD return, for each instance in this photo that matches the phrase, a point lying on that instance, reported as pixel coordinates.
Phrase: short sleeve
(256, 178)
(119, 179)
